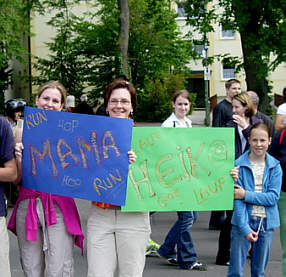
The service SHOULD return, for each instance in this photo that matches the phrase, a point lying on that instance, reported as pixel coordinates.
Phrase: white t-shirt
(282, 110)
(173, 121)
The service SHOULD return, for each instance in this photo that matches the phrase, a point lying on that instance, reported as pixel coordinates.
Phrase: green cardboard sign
(181, 169)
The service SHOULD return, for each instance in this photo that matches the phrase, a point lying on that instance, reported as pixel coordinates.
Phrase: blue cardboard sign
(76, 155)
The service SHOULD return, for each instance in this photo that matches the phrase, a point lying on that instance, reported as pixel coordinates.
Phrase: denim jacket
(268, 197)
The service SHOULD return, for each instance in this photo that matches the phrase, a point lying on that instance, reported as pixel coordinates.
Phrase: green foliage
(14, 23)
(262, 29)
(85, 51)
(66, 62)
(155, 99)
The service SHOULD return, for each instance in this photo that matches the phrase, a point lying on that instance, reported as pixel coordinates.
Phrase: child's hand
(132, 157)
(239, 192)
(234, 173)
(253, 236)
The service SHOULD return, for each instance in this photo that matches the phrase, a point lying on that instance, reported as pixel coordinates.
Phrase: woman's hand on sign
(132, 157)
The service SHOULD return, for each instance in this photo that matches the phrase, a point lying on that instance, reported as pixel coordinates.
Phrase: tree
(15, 24)
(124, 34)
(261, 25)
(155, 47)
(66, 62)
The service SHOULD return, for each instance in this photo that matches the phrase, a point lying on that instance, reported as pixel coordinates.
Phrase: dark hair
(261, 126)
(181, 92)
(229, 83)
(14, 105)
(284, 94)
(245, 101)
(121, 77)
(121, 84)
(54, 84)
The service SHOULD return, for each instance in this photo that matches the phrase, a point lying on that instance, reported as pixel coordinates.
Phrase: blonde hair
(54, 84)
(245, 101)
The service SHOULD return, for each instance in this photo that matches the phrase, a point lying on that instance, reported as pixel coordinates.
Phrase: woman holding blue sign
(116, 239)
(47, 225)
(179, 235)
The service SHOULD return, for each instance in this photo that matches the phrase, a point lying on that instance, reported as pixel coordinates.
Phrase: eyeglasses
(115, 102)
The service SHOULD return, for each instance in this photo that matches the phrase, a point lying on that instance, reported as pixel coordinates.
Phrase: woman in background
(180, 236)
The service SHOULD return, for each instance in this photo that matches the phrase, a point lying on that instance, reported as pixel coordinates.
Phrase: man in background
(8, 173)
(83, 107)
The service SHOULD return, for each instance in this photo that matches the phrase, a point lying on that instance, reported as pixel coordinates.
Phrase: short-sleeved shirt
(7, 146)
(282, 110)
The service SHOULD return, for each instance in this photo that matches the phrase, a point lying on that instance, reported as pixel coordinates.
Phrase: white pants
(4, 249)
(116, 239)
(52, 254)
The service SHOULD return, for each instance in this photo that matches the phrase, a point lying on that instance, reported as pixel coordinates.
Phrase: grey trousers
(52, 254)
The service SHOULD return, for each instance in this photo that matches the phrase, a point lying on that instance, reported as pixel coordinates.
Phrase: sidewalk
(197, 118)
(206, 243)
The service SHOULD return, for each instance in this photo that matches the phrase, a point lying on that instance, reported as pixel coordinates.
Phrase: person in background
(13, 110)
(8, 173)
(70, 103)
(265, 118)
(101, 110)
(255, 213)
(83, 107)
(243, 119)
(221, 115)
(278, 150)
(180, 236)
(117, 239)
(280, 121)
(47, 225)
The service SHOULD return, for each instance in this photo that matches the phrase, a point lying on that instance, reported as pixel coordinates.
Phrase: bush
(155, 100)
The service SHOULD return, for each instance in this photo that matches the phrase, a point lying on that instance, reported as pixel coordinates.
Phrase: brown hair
(229, 83)
(181, 92)
(53, 84)
(245, 101)
(121, 84)
(261, 126)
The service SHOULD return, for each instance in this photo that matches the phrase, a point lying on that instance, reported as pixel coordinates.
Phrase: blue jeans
(260, 250)
(180, 235)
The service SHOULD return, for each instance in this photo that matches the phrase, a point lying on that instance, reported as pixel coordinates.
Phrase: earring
(131, 114)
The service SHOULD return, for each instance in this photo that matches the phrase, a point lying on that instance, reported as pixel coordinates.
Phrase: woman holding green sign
(179, 235)
(47, 225)
(116, 239)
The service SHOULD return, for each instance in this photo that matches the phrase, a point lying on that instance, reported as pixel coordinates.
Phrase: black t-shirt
(278, 151)
(222, 113)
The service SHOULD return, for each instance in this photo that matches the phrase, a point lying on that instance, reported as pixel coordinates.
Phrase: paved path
(205, 242)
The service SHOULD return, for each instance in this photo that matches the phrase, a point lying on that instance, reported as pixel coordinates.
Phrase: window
(228, 72)
(227, 33)
(199, 49)
(181, 10)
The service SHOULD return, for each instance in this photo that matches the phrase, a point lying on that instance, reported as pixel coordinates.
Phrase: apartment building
(221, 41)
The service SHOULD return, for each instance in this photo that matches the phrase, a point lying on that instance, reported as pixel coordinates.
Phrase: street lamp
(206, 81)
